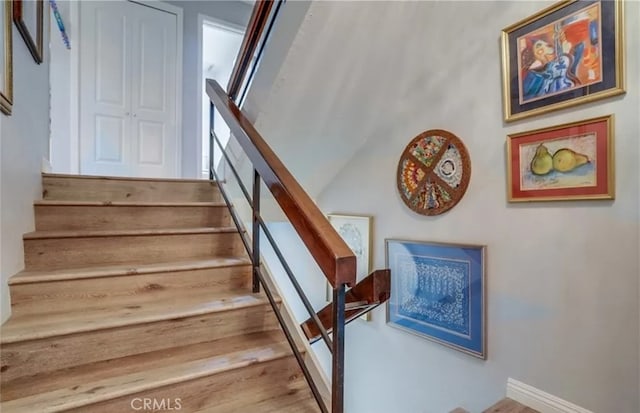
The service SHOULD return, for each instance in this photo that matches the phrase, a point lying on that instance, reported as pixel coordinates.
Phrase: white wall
(220, 46)
(64, 80)
(291, 16)
(313, 102)
(25, 142)
(563, 277)
(235, 12)
(637, 91)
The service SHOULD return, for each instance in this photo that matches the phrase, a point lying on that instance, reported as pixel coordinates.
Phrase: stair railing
(259, 27)
(332, 254)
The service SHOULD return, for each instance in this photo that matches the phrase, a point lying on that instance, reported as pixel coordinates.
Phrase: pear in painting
(566, 160)
(542, 162)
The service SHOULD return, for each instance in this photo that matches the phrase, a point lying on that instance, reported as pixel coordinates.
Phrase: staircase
(136, 296)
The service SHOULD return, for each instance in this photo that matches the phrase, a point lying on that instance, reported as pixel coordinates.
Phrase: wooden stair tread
(140, 287)
(28, 277)
(127, 178)
(45, 202)
(69, 377)
(125, 233)
(300, 401)
(34, 326)
(508, 405)
(85, 385)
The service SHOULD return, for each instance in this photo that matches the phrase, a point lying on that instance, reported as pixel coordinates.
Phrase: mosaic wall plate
(433, 172)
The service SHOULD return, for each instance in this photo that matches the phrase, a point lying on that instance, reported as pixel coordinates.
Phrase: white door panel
(153, 97)
(104, 90)
(151, 144)
(109, 139)
(128, 120)
(110, 51)
(151, 65)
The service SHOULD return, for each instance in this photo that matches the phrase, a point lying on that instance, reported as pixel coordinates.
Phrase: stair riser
(58, 253)
(81, 294)
(62, 218)
(101, 189)
(26, 358)
(225, 392)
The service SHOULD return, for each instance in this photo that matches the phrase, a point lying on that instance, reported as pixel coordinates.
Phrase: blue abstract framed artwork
(567, 54)
(438, 292)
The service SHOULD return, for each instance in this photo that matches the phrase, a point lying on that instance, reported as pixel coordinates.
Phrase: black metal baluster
(337, 379)
(211, 164)
(256, 231)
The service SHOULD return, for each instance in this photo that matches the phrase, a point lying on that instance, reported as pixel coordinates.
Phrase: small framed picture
(28, 16)
(356, 232)
(567, 54)
(6, 59)
(573, 161)
(438, 292)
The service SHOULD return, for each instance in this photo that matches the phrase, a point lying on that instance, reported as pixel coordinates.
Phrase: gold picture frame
(568, 162)
(29, 19)
(567, 54)
(6, 77)
(356, 230)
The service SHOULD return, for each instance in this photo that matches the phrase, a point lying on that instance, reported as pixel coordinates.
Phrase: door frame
(202, 19)
(74, 66)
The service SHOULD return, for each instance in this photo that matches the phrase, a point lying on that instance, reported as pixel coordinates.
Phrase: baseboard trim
(45, 166)
(540, 400)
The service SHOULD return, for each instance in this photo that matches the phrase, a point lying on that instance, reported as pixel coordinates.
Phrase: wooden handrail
(251, 41)
(333, 255)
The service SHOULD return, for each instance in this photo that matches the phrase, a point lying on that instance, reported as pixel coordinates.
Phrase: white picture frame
(356, 231)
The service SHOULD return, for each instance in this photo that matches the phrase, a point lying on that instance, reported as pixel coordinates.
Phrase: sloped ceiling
(327, 73)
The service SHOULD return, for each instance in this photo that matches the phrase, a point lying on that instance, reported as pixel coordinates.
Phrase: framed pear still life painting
(567, 54)
(573, 161)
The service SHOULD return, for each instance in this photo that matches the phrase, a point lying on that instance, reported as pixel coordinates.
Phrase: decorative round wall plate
(433, 172)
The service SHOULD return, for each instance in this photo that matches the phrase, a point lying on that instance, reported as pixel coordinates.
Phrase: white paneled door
(128, 108)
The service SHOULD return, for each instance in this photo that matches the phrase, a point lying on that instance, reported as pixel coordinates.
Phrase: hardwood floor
(139, 289)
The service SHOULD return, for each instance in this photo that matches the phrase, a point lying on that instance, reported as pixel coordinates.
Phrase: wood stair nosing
(106, 178)
(141, 204)
(28, 277)
(92, 391)
(54, 380)
(84, 294)
(37, 235)
(26, 355)
(33, 327)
